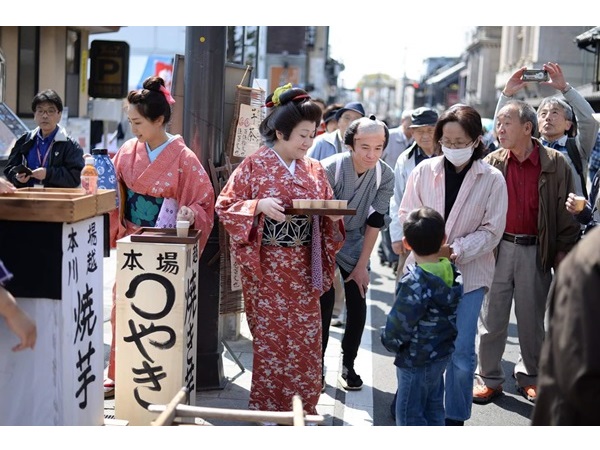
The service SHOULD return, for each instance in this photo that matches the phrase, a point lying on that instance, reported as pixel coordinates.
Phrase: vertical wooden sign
(157, 294)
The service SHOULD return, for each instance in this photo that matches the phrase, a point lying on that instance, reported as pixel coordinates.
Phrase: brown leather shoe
(483, 394)
(529, 392)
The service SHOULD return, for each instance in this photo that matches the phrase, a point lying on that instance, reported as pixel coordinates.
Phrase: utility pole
(204, 75)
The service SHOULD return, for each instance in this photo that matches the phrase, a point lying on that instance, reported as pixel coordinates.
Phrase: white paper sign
(247, 136)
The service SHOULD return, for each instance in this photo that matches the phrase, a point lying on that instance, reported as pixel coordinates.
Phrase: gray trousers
(517, 276)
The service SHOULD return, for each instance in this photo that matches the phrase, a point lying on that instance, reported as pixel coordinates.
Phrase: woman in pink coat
(472, 197)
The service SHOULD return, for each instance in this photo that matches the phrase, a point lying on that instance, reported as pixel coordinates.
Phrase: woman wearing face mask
(472, 197)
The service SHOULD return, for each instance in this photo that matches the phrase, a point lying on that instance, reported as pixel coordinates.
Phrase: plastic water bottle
(89, 176)
(107, 176)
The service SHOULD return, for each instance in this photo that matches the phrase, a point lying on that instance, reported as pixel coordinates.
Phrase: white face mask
(458, 156)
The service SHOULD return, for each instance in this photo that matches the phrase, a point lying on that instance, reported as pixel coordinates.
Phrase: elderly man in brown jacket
(539, 232)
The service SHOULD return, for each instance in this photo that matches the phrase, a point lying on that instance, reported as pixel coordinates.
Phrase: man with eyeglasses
(565, 124)
(46, 155)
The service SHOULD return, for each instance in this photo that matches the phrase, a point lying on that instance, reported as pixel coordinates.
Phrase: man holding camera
(565, 124)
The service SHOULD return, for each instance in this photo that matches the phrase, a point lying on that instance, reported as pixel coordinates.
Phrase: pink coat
(476, 222)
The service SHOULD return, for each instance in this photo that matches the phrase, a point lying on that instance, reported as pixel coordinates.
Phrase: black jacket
(64, 162)
(569, 369)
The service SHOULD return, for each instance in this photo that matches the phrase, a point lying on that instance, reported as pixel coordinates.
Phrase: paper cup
(317, 203)
(182, 228)
(332, 204)
(343, 204)
(579, 202)
(301, 203)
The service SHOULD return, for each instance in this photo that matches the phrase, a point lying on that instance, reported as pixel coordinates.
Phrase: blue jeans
(420, 397)
(462, 364)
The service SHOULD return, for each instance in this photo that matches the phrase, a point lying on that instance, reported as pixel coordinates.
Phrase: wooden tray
(321, 211)
(34, 204)
(164, 236)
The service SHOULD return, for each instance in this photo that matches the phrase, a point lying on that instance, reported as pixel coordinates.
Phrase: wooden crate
(55, 204)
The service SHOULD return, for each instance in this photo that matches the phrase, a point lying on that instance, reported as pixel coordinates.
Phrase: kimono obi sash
(294, 231)
(142, 210)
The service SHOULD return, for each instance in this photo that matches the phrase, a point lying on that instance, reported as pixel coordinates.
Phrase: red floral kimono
(282, 306)
(176, 173)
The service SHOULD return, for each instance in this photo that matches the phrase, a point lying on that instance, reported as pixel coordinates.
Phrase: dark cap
(329, 115)
(352, 106)
(422, 117)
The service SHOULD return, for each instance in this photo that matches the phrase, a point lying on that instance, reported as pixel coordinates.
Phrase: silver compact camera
(535, 75)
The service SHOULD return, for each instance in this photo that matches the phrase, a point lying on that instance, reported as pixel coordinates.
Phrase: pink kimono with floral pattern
(282, 306)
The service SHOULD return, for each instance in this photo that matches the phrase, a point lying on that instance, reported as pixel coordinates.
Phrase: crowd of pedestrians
(469, 231)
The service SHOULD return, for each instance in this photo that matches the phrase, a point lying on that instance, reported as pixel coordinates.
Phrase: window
(29, 52)
(72, 69)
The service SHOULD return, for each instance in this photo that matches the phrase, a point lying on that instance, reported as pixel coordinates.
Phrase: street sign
(109, 69)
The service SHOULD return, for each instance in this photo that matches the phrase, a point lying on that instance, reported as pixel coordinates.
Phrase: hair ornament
(167, 94)
(285, 94)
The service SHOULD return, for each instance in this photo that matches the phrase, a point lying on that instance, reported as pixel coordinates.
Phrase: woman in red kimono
(160, 180)
(286, 261)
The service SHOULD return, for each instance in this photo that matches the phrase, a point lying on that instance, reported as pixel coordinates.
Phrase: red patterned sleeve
(235, 208)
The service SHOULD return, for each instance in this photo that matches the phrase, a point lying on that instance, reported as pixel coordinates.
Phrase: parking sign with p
(109, 69)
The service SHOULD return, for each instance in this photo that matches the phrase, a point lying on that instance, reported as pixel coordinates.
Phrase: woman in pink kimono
(160, 180)
(286, 261)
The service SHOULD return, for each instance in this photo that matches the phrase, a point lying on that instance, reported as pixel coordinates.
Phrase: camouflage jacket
(421, 326)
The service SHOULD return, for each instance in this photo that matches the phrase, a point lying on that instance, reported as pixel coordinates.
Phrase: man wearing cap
(328, 123)
(422, 127)
(331, 143)
(400, 139)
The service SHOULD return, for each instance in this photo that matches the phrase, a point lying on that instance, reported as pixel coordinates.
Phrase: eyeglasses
(48, 112)
(454, 145)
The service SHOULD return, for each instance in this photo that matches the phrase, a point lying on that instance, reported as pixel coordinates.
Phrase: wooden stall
(52, 241)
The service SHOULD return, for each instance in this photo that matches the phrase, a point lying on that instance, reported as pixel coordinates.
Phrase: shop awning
(445, 74)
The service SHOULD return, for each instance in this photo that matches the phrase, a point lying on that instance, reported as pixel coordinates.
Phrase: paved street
(367, 407)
